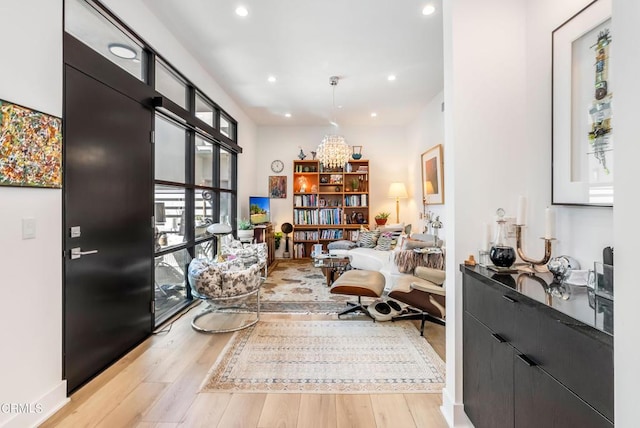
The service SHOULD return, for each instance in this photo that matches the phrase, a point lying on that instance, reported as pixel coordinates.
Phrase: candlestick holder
(529, 261)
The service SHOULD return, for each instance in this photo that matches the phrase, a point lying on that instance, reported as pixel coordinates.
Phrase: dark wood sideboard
(533, 361)
(264, 233)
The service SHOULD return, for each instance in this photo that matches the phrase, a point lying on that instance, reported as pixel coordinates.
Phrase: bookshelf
(328, 204)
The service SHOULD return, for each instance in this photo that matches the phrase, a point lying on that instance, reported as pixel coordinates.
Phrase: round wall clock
(277, 166)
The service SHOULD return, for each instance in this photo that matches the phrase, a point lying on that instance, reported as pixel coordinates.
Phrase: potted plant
(245, 229)
(278, 236)
(381, 218)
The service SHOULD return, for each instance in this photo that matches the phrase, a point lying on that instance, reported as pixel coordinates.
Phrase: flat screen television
(259, 209)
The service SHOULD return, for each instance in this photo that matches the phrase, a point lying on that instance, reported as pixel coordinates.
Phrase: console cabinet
(328, 204)
(264, 233)
(526, 364)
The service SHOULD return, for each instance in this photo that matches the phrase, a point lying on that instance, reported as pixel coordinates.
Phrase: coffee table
(332, 266)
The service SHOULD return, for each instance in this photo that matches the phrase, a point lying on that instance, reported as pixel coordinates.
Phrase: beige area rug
(295, 286)
(340, 356)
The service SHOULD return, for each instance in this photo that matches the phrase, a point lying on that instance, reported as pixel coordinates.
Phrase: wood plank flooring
(156, 385)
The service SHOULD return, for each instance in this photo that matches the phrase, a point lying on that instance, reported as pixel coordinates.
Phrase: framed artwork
(432, 176)
(277, 186)
(582, 139)
(30, 147)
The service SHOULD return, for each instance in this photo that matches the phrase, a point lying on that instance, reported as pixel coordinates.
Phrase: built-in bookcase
(328, 204)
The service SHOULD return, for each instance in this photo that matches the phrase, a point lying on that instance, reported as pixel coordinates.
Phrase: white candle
(486, 236)
(550, 223)
(522, 211)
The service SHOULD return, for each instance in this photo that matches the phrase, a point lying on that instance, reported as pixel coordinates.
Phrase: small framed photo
(278, 186)
(432, 176)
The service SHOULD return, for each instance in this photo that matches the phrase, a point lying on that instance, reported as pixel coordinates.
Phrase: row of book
(355, 201)
(330, 216)
(299, 251)
(307, 235)
(305, 216)
(305, 200)
(331, 234)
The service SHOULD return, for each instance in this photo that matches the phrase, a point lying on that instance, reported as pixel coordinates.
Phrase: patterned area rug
(327, 357)
(294, 285)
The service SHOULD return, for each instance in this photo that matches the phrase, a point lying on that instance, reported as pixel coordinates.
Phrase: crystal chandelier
(333, 152)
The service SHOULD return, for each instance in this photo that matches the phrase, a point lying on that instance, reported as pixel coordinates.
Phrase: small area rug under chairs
(295, 286)
(346, 356)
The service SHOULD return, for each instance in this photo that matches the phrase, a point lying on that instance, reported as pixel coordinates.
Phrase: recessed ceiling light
(391, 77)
(287, 115)
(340, 106)
(242, 11)
(122, 51)
(334, 123)
(428, 10)
(271, 79)
(374, 114)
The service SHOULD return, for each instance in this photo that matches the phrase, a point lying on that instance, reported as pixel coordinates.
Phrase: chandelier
(333, 152)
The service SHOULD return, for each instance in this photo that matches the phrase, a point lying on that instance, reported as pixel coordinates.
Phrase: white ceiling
(303, 43)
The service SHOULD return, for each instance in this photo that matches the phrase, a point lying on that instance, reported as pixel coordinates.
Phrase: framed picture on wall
(30, 147)
(277, 186)
(432, 176)
(583, 133)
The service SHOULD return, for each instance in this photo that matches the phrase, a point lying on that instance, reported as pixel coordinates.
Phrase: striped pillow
(385, 242)
(368, 239)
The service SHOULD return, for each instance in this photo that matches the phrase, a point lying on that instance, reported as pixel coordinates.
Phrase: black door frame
(82, 58)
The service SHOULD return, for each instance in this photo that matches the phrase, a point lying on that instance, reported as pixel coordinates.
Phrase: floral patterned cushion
(219, 280)
(249, 254)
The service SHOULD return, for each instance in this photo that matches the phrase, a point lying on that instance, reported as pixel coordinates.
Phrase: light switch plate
(28, 228)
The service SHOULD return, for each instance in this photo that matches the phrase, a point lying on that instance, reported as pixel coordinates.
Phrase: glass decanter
(500, 253)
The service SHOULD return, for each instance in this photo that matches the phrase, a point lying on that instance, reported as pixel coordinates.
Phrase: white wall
(424, 132)
(497, 132)
(390, 155)
(31, 287)
(626, 16)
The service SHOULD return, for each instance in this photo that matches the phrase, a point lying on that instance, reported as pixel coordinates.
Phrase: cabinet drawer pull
(499, 338)
(528, 361)
(509, 299)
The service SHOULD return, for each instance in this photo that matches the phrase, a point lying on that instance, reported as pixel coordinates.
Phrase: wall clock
(277, 166)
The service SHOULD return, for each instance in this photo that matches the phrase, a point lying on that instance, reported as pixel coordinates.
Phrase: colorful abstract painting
(30, 147)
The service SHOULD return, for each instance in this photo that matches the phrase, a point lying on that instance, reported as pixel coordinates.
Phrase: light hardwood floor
(157, 383)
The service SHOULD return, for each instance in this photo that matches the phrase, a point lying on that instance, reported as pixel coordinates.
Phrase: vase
(356, 152)
(501, 254)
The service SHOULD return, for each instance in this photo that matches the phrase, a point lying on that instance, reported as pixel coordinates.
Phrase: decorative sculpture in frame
(30, 147)
(582, 144)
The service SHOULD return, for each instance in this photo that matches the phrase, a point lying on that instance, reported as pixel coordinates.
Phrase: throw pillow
(410, 244)
(341, 245)
(385, 242)
(368, 239)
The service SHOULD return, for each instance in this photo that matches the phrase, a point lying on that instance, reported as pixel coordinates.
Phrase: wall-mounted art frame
(30, 147)
(278, 186)
(432, 176)
(582, 137)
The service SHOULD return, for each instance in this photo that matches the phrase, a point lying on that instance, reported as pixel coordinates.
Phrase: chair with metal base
(425, 294)
(361, 283)
(219, 284)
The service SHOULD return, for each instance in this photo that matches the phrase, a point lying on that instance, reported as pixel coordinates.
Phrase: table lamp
(398, 191)
(219, 230)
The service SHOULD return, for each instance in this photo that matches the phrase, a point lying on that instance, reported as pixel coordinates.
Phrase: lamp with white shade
(398, 191)
(219, 230)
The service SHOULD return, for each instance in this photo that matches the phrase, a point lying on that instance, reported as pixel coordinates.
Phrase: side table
(332, 266)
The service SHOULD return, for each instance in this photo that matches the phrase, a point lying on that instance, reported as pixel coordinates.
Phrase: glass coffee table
(332, 266)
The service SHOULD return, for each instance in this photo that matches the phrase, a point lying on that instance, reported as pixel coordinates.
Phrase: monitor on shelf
(259, 209)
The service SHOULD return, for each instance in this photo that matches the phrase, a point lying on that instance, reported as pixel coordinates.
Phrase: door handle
(77, 252)
(509, 299)
(528, 361)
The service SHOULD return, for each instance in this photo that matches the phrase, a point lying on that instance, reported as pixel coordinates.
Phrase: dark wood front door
(108, 196)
